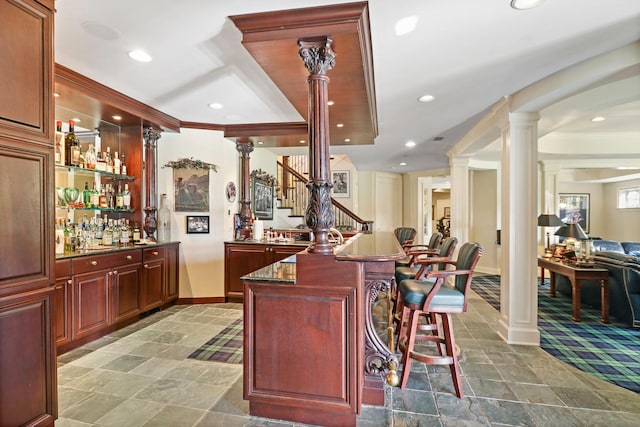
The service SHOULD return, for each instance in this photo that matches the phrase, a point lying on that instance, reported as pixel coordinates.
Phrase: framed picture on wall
(574, 208)
(198, 224)
(262, 198)
(341, 184)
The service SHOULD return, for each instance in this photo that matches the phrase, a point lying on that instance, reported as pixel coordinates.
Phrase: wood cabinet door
(238, 261)
(281, 252)
(28, 376)
(62, 301)
(125, 291)
(90, 302)
(26, 63)
(153, 284)
(173, 278)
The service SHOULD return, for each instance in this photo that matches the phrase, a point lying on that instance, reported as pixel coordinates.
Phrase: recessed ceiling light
(403, 164)
(76, 120)
(406, 25)
(117, 117)
(260, 142)
(340, 125)
(410, 144)
(598, 119)
(216, 105)
(525, 4)
(140, 56)
(302, 141)
(330, 103)
(347, 140)
(426, 98)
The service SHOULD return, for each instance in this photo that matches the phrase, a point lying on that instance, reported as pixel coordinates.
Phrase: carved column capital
(244, 146)
(151, 136)
(317, 54)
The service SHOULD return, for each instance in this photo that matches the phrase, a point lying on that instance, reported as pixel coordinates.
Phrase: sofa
(622, 259)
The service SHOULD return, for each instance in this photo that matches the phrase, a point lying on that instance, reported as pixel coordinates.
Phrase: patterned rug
(608, 351)
(225, 347)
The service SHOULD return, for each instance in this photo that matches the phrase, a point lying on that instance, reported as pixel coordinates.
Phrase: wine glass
(71, 194)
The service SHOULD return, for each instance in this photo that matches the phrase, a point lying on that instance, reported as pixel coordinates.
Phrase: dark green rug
(610, 352)
(225, 347)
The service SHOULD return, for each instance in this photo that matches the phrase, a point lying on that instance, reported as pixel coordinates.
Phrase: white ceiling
(467, 53)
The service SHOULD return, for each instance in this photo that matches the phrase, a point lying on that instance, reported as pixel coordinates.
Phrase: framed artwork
(191, 189)
(574, 208)
(197, 224)
(341, 184)
(447, 212)
(262, 198)
(230, 192)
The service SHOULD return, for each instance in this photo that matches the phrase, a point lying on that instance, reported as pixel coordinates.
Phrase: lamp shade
(549, 220)
(572, 231)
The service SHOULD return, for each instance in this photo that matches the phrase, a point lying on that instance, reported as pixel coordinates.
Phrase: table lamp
(549, 220)
(572, 232)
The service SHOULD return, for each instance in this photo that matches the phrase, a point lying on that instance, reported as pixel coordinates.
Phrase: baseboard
(201, 300)
(488, 270)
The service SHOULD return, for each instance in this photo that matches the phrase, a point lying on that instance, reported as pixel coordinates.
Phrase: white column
(460, 198)
(519, 295)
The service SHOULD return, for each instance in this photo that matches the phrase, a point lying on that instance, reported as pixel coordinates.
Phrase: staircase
(293, 194)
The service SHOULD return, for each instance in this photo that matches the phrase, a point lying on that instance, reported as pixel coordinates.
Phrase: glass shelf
(105, 174)
(66, 208)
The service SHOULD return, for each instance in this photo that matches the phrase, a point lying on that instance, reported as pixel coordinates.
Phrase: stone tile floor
(140, 376)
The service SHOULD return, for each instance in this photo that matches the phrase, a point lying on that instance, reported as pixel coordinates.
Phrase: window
(629, 198)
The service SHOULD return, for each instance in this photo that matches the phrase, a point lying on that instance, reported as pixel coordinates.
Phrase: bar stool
(413, 251)
(433, 299)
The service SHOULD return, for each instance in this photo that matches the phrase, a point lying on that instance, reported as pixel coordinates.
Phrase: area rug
(610, 352)
(225, 347)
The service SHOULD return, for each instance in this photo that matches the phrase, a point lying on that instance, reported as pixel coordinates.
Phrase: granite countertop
(303, 243)
(100, 250)
(381, 246)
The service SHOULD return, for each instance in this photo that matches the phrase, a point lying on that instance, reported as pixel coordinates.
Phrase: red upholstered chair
(433, 299)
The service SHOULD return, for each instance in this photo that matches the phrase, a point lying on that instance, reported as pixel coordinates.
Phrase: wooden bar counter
(311, 353)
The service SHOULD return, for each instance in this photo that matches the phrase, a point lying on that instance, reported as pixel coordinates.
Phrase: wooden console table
(576, 275)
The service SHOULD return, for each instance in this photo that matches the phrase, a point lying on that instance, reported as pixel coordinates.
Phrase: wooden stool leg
(414, 316)
(451, 352)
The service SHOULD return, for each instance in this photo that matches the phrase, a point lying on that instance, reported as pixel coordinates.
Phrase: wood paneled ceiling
(272, 39)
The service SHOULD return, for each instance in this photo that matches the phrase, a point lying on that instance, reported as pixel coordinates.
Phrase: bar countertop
(381, 246)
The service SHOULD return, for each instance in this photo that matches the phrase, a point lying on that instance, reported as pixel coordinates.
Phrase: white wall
(620, 224)
(201, 255)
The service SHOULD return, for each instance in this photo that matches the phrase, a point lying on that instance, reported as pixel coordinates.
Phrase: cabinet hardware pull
(110, 273)
(69, 281)
(146, 266)
(94, 262)
(115, 271)
(129, 257)
(155, 252)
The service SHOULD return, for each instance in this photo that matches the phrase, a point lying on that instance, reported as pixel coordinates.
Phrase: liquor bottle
(101, 165)
(136, 233)
(102, 199)
(67, 237)
(107, 235)
(58, 157)
(86, 195)
(59, 233)
(111, 196)
(123, 166)
(119, 198)
(125, 233)
(108, 160)
(90, 157)
(94, 197)
(164, 220)
(116, 164)
(126, 197)
(115, 232)
(72, 147)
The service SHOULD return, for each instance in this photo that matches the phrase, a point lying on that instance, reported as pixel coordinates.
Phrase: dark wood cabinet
(62, 302)
(126, 296)
(243, 258)
(153, 278)
(172, 255)
(28, 392)
(90, 303)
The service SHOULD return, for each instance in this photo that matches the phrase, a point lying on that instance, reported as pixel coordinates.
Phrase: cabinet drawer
(63, 268)
(152, 254)
(99, 262)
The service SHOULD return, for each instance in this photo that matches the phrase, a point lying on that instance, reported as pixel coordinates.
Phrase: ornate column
(151, 137)
(245, 147)
(317, 54)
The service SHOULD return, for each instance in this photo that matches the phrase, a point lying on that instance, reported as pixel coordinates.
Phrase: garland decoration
(271, 180)
(185, 163)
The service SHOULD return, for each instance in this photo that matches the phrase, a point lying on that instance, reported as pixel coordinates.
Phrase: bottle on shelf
(94, 197)
(123, 166)
(116, 164)
(72, 146)
(86, 195)
(90, 157)
(119, 198)
(101, 165)
(102, 198)
(126, 197)
(108, 160)
(164, 220)
(67, 237)
(107, 235)
(59, 233)
(136, 233)
(59, 138)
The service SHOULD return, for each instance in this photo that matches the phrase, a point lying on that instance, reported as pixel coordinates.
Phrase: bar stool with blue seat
(433, 300)
(413, 251)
